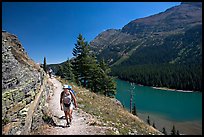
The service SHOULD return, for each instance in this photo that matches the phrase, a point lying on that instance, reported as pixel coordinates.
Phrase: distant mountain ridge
(162, 50)
(172, 36)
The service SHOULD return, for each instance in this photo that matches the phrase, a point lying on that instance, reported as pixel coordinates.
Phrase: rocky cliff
(25, 88)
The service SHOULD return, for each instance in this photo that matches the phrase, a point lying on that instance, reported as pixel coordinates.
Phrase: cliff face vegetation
(25, 88)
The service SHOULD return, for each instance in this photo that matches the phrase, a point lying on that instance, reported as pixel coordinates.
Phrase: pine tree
(84, 63)
(108, 84)
(164, 131)
(80, 52)
(60, 71)
(134, 112)
(77, 50)
(45, 65)
(177, 132)
(75, 68)
(88, 72)
(67, 71)
(148, 120)
(153, 125)
(104, 66)
(173, 131)
(95, 82)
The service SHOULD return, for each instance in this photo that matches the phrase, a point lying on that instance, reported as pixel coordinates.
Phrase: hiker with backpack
(50, 72)
(67, 99)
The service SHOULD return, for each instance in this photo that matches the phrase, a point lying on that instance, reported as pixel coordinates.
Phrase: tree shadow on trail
(62, 117)
(62, 126)
(59, 124)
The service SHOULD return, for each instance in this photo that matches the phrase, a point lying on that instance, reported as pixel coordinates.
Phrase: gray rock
(21, 79)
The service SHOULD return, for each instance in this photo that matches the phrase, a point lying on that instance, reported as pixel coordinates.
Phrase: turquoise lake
(165, 104)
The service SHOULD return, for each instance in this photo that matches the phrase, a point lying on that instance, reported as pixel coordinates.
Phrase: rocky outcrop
(22, 81)
(174, 19)
(17, 68)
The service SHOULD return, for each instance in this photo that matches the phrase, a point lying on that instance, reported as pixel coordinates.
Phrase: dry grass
(109, 113)
(23, 58)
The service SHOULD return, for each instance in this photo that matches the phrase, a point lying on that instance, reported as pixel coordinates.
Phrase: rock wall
(24, 86)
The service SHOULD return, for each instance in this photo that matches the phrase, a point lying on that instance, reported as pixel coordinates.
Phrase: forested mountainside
(170, 41)
(177, 31)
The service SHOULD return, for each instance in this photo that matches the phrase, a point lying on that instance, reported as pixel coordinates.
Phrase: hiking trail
(80, 122)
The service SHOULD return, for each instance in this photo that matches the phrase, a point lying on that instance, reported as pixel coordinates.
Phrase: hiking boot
(67, 125)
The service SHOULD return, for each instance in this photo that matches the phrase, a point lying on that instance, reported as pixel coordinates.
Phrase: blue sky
(50, 29)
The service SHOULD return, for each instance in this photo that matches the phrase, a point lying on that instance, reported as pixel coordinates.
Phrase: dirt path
(81, 120)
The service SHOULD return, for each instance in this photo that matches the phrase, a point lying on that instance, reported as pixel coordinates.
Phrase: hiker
(50, 72)
(66, 103)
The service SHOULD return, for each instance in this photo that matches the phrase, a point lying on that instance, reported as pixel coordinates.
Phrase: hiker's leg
(66, 116)
(70, 116)
(71, 110)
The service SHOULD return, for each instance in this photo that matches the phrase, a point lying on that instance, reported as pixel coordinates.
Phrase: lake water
(165, 108)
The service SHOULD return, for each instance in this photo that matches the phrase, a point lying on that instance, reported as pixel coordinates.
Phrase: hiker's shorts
(67, 108)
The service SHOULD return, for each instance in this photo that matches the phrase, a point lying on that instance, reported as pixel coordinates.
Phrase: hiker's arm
(75, 103)
(61, 100)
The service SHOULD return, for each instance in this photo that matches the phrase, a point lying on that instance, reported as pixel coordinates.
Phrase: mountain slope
(172, 36)
(163, 50)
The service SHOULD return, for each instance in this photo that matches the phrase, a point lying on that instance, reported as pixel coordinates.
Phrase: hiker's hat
(65, 86)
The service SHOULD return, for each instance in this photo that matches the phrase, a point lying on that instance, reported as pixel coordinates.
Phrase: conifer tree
(148, 120)
(95, 80)
(104, 66)
(177, 132)
(89, 72)
(80, 54)
(153, 125)
(164, 131)
(173, 131)
(60, 71)
(67, 71)
(45, 65)
(84, 63)
(108, 84)
(134, 112)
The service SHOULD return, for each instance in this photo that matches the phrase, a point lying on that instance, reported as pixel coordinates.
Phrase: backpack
(73, 92)
(67, 98)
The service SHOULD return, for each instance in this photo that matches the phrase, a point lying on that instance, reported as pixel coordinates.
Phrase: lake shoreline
(165, 109)
(184, 127)
(163, 88)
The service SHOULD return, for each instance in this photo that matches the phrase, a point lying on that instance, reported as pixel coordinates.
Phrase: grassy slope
(109, 113)
(126, 57)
